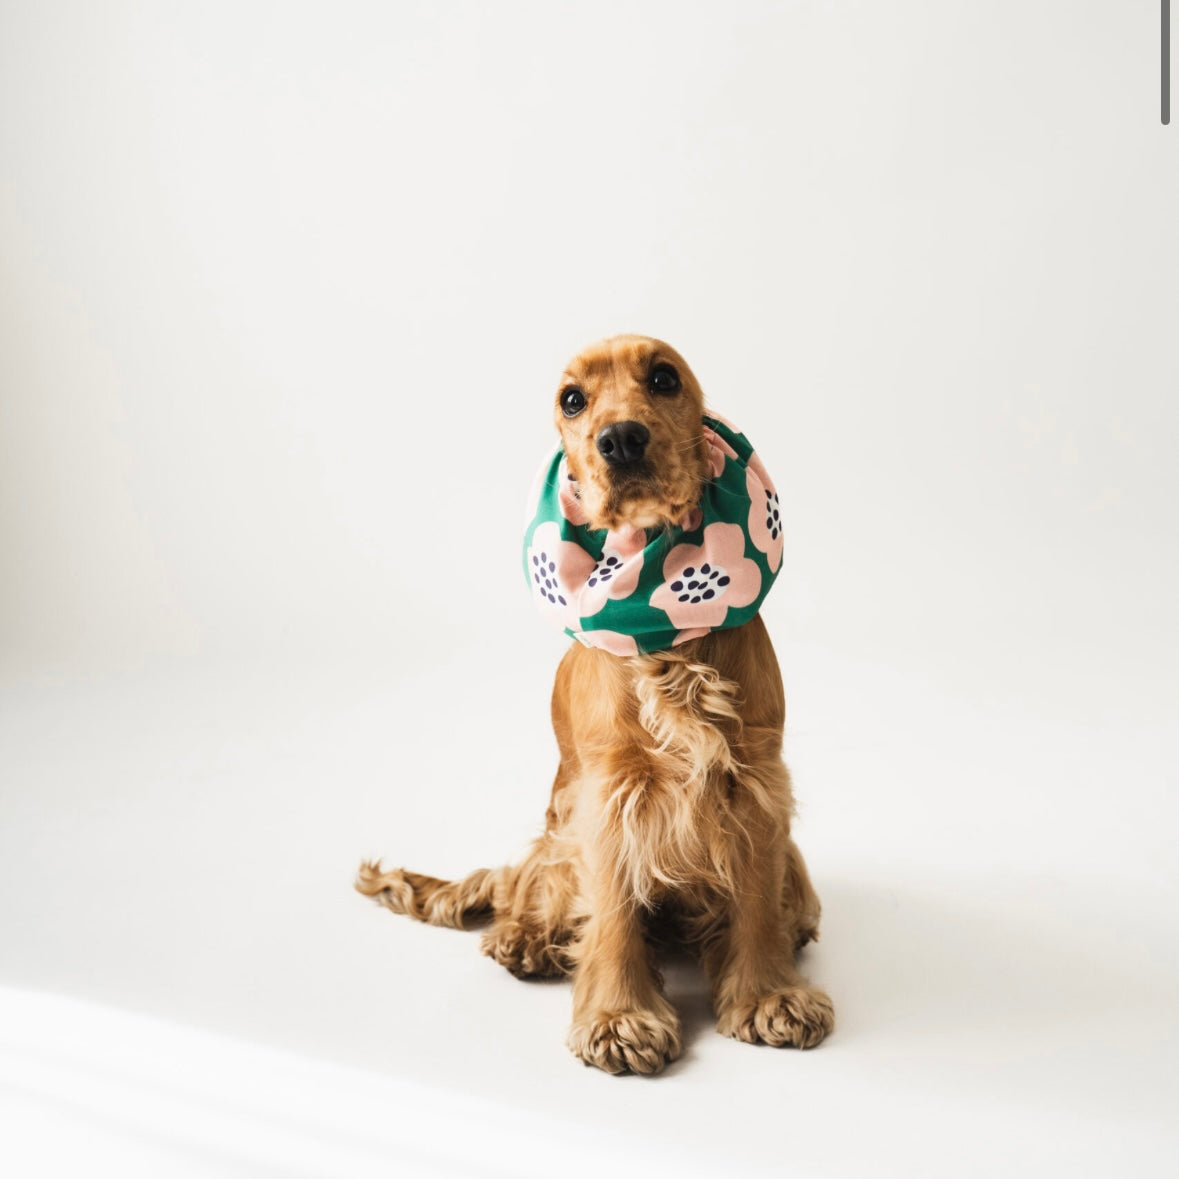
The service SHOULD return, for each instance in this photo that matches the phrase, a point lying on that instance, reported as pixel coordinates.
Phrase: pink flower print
(627, 541)
(570, 584)
(765, 515)
(717, 449)
(568, 496)
(616, 573)
(609, 640)
(559, 569)
(701, 582)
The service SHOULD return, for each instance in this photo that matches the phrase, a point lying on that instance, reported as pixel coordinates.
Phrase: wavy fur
(671, 808)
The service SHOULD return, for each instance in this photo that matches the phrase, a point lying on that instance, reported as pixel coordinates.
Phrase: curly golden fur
(671, 808)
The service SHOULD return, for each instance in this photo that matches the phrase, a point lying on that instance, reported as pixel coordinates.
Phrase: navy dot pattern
(703, 584)
(544, 574)
(605, 570)
(773, 515)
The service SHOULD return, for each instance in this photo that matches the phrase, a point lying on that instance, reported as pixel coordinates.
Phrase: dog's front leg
(758, 993)
(622, 1022)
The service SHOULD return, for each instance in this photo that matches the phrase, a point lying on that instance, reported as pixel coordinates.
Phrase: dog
(670, 817)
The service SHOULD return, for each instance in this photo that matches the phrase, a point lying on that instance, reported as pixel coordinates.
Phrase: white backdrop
(285, 290)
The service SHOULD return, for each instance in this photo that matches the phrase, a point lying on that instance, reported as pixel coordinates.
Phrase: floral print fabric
(633, 590)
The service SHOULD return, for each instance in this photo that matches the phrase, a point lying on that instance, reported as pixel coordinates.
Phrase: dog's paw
(523, 952)
(630, 1041)
(797, 1016)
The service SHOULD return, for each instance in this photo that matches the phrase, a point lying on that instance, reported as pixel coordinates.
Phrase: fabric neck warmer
(633, 591)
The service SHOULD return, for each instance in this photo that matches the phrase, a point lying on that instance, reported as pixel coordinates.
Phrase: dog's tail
(453, 903)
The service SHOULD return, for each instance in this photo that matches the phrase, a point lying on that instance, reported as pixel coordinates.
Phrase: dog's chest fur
(672, 799)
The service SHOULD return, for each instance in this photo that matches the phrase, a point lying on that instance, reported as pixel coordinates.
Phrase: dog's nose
(623, 443)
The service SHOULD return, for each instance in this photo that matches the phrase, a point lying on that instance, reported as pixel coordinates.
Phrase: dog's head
(629, 413)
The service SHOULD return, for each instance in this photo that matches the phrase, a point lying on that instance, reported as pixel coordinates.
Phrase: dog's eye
(572, 401)
(664, 379)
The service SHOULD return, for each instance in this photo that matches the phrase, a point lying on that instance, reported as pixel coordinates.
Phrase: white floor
(190, 987)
